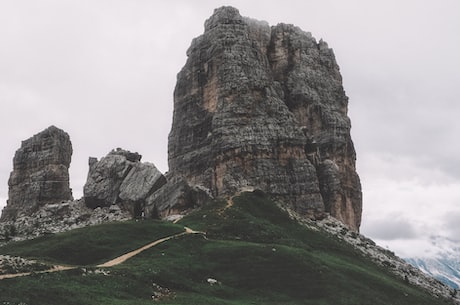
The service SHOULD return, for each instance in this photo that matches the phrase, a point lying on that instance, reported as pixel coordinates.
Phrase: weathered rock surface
(40, 173)
(59, 217)
(264, 107)
(120, 178)
(255, 107)
(174, 198)
(14, 264)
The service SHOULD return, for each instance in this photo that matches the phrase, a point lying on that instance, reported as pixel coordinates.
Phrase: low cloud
(452, 224)
(391, 228)
(405, 204)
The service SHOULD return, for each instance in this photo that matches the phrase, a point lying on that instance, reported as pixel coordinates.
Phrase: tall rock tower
(263, 107)
(40, 173)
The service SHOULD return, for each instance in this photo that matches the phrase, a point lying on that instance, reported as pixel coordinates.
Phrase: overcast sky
(105, 71)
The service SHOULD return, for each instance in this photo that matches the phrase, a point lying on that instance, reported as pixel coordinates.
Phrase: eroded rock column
(40, 173)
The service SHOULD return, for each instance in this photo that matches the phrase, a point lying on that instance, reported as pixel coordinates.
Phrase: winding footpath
(116, 261)
(124, 257)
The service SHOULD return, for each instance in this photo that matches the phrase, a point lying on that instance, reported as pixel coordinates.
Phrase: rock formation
(176, 197)
(263, 107)
(255, 107)
(40, 173)
(120, 178)
(59, 217)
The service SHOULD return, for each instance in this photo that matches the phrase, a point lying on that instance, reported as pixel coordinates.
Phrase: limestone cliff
(263, 107)
(40, 173)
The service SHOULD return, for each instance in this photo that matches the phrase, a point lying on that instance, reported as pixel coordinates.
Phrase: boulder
(174, 198)
(142, 180)
(105, 177)
(120, 178)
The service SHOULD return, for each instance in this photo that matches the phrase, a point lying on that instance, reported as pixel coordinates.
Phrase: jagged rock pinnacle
(40, 173)
(263, 107)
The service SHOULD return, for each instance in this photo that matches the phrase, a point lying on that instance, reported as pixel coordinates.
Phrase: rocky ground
(13, 264)
(54, 218)
(382, 257)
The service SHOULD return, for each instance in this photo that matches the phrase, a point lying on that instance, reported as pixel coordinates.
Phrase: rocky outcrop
(40, 173)
(384, 258)
(174, 198)
(263, 107)
(120, 178)
(15, 264)
(59, 217)
(255, 107)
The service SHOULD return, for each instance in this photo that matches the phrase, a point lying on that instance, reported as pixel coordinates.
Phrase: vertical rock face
(263, 107)
(40, 173)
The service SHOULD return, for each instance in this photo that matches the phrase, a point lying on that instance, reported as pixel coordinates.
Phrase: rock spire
(40, 173)
(260, 107)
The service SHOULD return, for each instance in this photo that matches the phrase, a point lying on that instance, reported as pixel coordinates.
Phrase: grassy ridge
(92, 245)
(255, 251)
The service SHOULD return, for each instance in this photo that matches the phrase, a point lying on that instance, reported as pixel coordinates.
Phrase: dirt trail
(124, 257)
(113, 262)
(54, 269)
(229, 203)
(230, 199)
(227, 206)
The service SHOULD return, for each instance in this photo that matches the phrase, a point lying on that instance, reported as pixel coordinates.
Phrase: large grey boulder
(121, 179)
(40, 173)
(174, 198)
(142, 179)
(104, 180)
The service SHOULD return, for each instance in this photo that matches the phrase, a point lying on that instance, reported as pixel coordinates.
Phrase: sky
(105, 71)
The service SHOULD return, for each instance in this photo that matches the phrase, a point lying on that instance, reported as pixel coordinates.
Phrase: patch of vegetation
(92, 245)
(253, 254)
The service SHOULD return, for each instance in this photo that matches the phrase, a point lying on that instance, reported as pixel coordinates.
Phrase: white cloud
(451, 222)
(404, 204)
(390, 228)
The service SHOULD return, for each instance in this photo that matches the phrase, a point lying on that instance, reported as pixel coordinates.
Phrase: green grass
(255, 251)
(92, 245)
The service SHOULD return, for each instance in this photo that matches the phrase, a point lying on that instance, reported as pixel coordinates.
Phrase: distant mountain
(444, 269)
(444, 265)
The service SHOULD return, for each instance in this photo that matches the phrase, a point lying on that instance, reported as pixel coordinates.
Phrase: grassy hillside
(253, 253)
